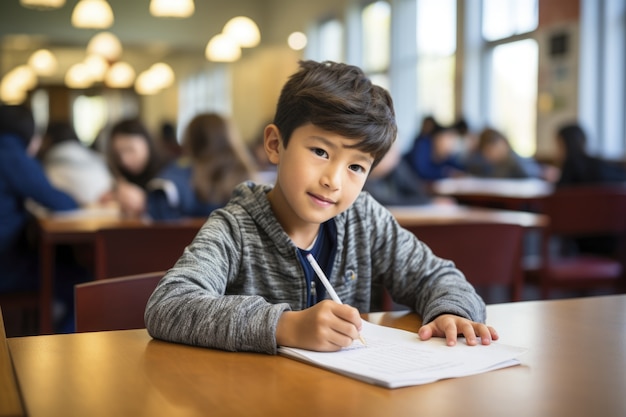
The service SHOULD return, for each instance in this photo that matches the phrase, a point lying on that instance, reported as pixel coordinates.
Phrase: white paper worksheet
(396, 358)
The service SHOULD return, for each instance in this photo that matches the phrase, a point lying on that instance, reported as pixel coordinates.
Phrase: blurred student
(577, 166)
(495, 158)
(435, 155)
(393, 183)
(134, 160)
(168, 141)
(73, 167)
(21, 179)
(214, 161)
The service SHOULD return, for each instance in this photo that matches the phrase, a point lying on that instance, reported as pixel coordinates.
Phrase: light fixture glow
(97, 66)
(243, 30)
(11, 94)
(297, 41)
(93, 14)
(78, 76)
(222, 48)
(43, 62)
(106, 45)
(120, 75)
(42, 4)
(155, 79)
(172, 8)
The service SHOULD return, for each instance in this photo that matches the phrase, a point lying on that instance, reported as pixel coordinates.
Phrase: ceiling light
(11, 94)
(155, 79)
(78, 76)
(106, 45)
(222, 48)
(43, 62)
(120, 75)
(172, 8)
(243, 30)
(163, 74)
(97, 66)
(297, 41)
(42, 4)
(95, 14)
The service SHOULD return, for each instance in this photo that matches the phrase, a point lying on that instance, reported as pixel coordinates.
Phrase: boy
(244, 283)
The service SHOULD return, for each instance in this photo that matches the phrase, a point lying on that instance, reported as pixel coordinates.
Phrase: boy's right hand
(325, 327)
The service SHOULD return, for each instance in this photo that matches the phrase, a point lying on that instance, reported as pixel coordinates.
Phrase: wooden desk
(512, 194)
(574, 367)
(79, 228)
(447, 214)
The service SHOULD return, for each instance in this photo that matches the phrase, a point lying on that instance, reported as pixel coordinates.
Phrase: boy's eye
(357, 168)
(319, 152)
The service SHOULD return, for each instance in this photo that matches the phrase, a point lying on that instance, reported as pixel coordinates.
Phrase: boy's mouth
(321, 199)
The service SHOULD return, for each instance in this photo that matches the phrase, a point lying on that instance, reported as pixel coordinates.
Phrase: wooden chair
(115, 303)
(577, 212)
(135, 250)
(488, 254)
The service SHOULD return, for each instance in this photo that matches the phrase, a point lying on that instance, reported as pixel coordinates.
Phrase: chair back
(135, 250)
(115, 303)
(587, 210)
(488, 254)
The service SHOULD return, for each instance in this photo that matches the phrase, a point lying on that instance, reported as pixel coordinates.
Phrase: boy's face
(318, 176)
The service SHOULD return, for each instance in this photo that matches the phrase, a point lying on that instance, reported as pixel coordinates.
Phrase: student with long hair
(214, 161)
(134, 160)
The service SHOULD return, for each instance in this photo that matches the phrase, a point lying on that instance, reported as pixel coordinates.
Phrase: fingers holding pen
(327, 326)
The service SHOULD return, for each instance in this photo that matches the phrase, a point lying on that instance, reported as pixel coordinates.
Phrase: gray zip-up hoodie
(241, 272)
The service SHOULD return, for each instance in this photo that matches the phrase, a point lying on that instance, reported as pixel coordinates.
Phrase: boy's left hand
(450, 326)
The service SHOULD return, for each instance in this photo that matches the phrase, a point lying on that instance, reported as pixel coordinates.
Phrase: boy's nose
(331, 178)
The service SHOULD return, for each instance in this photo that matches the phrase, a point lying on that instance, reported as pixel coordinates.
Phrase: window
(505, 18)
(90, 116)
(330, 34)
(602, 100)
(436, 47)
(376, 41)
(511, 62)
(513, 99)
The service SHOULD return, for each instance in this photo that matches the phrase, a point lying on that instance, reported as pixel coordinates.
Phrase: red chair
(488, 254)
(578, 212)
(135, 250)
(115, 303)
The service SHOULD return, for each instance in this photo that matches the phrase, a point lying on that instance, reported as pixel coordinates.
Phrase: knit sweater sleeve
(190, 304)
(415, 276)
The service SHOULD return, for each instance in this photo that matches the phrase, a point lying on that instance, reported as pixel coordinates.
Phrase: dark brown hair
(19, 121)
(155, 159)
(341, 99)
(219, 158)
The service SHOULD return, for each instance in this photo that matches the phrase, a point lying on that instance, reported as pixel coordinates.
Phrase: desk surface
(503, 187)
(452, 214)
(574, 367)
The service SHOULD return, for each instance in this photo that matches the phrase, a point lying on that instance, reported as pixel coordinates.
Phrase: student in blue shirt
(21, 179)
(244, 283)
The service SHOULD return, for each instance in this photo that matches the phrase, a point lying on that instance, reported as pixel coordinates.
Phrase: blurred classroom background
(489, 84)
(522, 67)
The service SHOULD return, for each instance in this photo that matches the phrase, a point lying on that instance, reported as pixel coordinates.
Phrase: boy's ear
(272, 143)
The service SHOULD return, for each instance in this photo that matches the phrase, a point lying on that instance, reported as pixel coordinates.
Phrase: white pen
(326, 282)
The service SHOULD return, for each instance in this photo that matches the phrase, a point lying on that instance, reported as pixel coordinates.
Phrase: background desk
(511, 194)
(451, 214)
(574, 367)
(78, 229)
